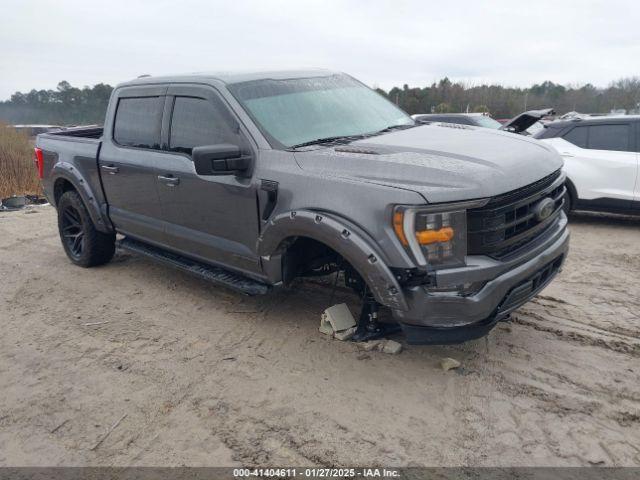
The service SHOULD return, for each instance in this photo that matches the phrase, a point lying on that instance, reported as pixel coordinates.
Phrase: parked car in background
(526, 123)
(601, 160)
(475, 119)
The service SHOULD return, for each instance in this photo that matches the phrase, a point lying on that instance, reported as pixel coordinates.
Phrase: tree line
(68, 105)
(446, 96)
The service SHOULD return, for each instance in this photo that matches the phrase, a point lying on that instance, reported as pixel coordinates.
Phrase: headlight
(435, 236)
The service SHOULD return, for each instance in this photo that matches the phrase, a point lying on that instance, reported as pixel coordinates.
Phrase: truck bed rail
(92, 131)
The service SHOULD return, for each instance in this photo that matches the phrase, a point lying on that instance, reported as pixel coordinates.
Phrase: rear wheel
(84, 245)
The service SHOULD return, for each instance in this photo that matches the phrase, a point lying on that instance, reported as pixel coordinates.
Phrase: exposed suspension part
(368, 328)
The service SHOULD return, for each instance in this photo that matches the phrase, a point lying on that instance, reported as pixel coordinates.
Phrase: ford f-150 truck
(253, 180)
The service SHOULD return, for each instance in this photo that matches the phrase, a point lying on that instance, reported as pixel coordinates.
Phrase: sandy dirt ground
(198, 375)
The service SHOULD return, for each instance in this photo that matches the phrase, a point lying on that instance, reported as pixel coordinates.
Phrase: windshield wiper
(391, 128)
(320, 141)
(351, 138)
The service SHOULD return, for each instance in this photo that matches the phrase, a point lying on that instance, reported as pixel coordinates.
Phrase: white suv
(601, 160)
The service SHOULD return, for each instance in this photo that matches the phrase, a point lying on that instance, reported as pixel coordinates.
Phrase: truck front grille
(510, 223)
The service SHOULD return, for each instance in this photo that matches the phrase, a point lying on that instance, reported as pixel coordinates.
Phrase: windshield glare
(295, 111)
(487, 122)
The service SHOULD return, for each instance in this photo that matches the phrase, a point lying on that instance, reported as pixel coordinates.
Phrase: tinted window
(549, 131)
(138, 121)
(577, 136)
(609, 137)
(196, 122)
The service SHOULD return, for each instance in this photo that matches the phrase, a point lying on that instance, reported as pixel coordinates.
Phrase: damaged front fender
(347, 240)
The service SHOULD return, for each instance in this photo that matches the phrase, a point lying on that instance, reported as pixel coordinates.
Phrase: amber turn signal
(398, 227)
(426, 237)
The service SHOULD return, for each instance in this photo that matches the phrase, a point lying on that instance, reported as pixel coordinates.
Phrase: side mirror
(221, 159)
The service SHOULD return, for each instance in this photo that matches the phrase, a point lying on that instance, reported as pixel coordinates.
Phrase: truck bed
(76, 152)
(91, 131)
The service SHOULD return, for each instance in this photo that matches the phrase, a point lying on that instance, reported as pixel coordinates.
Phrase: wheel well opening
(303, 256)
(306, 257)
(60, 186)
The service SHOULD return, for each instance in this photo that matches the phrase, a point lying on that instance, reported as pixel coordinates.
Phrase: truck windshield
(295, 111)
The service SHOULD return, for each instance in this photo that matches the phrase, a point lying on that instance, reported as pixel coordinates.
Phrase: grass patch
(18, 174)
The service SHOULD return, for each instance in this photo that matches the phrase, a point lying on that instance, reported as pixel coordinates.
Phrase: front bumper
(445, 318)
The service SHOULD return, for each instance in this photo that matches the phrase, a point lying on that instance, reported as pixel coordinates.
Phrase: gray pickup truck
(253, 180)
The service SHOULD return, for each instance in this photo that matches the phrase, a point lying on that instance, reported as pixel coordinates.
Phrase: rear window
(609, 137)
(137, 122)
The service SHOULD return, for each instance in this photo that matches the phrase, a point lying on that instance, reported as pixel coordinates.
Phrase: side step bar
(213, 274)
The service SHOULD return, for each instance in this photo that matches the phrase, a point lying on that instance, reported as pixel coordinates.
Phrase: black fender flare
(68, 172)
(346, 239)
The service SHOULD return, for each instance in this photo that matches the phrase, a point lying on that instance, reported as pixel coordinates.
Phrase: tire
(84, 245)
(566, 206)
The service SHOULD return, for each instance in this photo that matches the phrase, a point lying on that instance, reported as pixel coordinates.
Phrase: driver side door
(213, 218)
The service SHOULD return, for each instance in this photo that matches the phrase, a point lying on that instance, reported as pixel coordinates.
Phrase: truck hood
(441, 162)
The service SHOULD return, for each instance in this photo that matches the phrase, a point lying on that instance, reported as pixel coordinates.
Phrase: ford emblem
(544, 209)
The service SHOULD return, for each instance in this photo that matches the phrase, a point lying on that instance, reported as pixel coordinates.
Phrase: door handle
(110, 169)
(169, 180)
(567, 154)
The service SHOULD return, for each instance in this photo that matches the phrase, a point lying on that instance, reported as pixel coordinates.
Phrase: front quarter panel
(366, 205)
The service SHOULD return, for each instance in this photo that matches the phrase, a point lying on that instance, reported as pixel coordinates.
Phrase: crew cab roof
(230, 77)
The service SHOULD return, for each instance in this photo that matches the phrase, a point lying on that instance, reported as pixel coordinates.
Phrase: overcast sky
(383, 43)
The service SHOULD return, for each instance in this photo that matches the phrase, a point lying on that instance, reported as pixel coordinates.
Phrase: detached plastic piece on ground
(14, 203)
(390, 346)
(385, 346)
(36, 200)
(448, 363)
(345, 335)
(336, 320)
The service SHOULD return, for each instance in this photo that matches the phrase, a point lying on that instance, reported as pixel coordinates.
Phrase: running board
(213, 274)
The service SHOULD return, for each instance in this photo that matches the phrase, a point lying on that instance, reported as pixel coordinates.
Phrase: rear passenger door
(127, 162)
(211, 218)
(601, 161)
